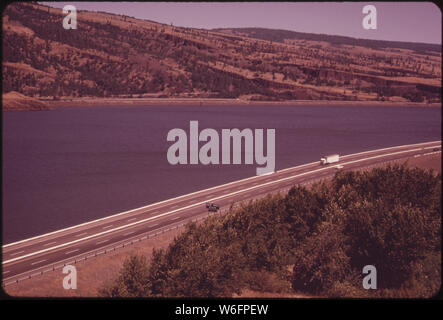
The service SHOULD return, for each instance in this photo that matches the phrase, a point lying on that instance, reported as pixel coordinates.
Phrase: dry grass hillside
(118, 56)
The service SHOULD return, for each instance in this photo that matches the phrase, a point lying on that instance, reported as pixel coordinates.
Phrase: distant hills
(284, 35)
(118, 56)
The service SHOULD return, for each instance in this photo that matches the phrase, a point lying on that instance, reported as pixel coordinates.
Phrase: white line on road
(72, 251)
(48, 244)
(127, 234)
(132, 219)
(16, 253)
(103, 241)
(40, 261)
(81, 234)
(429, 153)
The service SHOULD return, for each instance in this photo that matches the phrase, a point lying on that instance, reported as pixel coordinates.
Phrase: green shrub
(132, 280)
(321, 261)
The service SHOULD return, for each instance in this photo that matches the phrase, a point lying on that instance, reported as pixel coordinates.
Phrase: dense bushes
(389, 218)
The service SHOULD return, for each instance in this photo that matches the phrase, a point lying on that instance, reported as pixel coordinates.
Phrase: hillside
(118, 56)
(284, 36)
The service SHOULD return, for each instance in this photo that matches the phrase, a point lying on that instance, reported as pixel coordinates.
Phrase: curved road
(34, 255)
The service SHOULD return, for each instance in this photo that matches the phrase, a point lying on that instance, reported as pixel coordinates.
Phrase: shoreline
(205, 102)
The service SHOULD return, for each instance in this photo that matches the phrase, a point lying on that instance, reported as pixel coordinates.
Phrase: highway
(31, 256)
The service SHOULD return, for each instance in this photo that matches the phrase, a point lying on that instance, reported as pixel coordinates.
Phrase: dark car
(212, 207)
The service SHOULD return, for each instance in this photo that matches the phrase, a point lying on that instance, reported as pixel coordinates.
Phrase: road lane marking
(37, 262)
(16, 253)
(202, 191)
(429, 153)
(127, 234)
(81, 234)
(131, 219)
(48, 244)
(217, 198)
(72, 251)
(5, 272)
(103, 241)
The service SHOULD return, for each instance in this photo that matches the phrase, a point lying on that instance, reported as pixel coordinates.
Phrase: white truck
(333, 158)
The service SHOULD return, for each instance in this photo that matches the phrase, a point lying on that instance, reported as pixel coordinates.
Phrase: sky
(396, 21)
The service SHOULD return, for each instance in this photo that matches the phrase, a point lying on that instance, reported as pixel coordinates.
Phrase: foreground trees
(389, 218)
